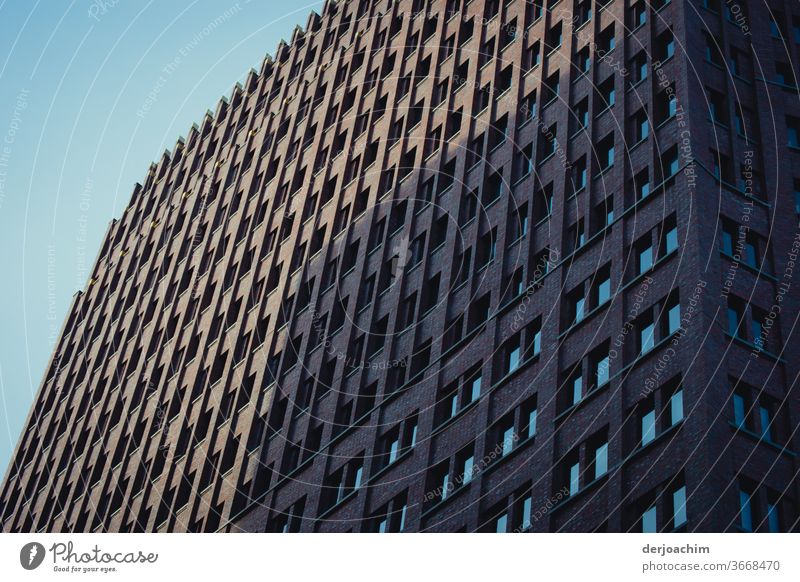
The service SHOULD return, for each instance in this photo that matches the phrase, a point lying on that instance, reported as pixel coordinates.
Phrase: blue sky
(91, 92)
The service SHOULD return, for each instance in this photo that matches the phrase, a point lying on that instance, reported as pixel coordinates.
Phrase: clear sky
(91, 92)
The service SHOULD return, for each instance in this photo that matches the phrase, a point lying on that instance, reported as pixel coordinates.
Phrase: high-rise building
(451, 266)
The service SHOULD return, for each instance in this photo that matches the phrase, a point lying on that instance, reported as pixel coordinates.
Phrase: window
(553, 37)
(458, 395)
(741, 409)
(531, 56)
(637, 15)
(581, 114)
(582, 61)
(605, 152)
(638, 68)
(670, 163)
(649, 520)
(579, 174)
(793, 132)
(392, 516)
(551, 87)
(641, 126)
(487, 248)
(673, 316)
(648, 426)
(548, 142)
(746, 518)
(577, 304)
(735, 317)
(665, 46)
(646, 337)
(606, 41)
(679, 506)
(512, 354)
(602, 287)
(666, 105)
(784, 74)
(518, 222)
(713, 54)
(644, 255)
(504, 80)
(576, 385)
(670, 237)
(718, 107)
(662, 509)
(465, 463)
(600, 460)
(606, 94)
(528, 108)
(757, 412)
(602, 365)
(775, 28)
(486, 53)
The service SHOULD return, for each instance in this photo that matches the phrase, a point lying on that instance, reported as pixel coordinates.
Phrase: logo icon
(31, 555)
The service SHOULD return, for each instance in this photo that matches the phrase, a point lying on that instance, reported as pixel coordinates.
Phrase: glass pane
(738, 410)
(513, 359)
(526, 513)
(676, 406)
(645, 259)
(766, 429)
(679, 507)
(672, 240)
(577, 390)
(649, 521)
(502, 523)
(746, 512)
(773, 519)
(602, 371)
(648, 338)
(727, 243)
(674, 317)
(532, 423)
(476, 388)
(574, 478)
(604, 293)
(579, 309)
(601, 461)
(468, 468)
(508, 441)
(648, 427)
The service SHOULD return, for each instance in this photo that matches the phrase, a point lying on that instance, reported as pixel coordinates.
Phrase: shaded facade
(450, 266)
